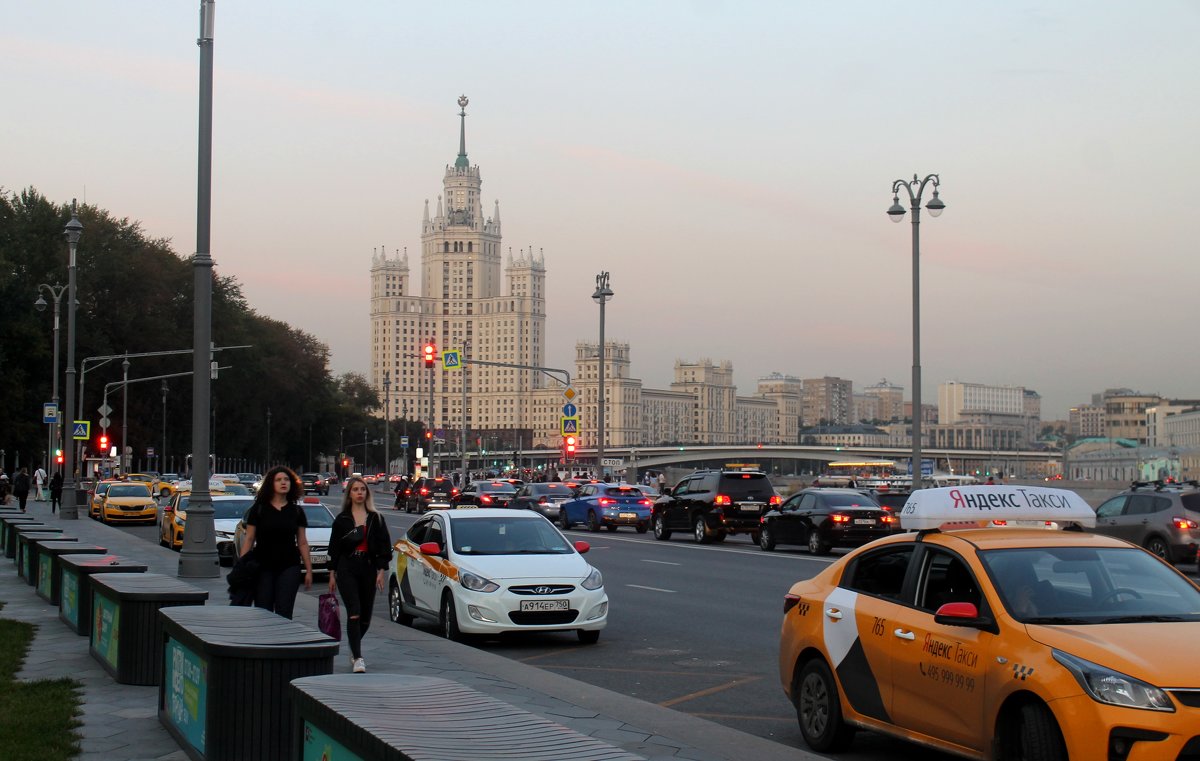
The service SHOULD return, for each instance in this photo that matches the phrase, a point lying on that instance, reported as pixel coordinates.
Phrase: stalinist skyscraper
(474, 297)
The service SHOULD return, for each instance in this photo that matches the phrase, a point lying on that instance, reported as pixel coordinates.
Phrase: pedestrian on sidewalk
(20, 487)
(275, 529)
(39, 478)
(360, 550)
(56, 482)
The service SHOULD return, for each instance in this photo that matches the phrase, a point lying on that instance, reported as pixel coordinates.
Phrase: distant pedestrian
(20, 487)
(275, 529)
(39, 478)
(662, 482)
(5, 487)
(56, 482)
(360, 550)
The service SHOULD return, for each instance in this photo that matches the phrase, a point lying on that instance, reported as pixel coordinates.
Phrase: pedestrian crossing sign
(451, 360)
(570, 425)
(81, 430)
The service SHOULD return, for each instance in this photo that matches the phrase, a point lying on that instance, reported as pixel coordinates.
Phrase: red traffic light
(430, 351)
(346, 463)
(103, 444)
(429, 434)
(569, 443)
(58, 456)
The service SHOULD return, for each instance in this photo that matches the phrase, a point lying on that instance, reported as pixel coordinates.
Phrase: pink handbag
(329, 617)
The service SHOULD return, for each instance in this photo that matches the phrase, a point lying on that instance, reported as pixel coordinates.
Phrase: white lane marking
(652, 589)
(708, 548)
(660, 562)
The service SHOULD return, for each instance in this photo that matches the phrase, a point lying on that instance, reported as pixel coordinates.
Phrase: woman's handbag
(329, 617)
(351, 539)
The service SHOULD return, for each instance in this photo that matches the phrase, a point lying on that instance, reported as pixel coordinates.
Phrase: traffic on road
(718, 625)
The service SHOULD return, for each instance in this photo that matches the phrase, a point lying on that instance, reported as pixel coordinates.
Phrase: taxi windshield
(129, 490)
(507, 536)
(1084, 585)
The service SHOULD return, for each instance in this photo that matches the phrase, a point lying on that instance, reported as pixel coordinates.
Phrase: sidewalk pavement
(120, 722)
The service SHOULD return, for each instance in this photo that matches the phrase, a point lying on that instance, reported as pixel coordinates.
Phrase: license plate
(319, 558)
(544, 605)
(864, 521)
(749, 508)
(629, 516)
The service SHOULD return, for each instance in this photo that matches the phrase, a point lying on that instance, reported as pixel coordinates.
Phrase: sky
(729, 163)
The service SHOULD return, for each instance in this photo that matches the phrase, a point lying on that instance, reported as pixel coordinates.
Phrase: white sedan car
(492, 570)
(320, 524)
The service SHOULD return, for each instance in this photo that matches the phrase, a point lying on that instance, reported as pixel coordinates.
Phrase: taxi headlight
(178, 520)
(1112, 687)
(595, 580)
(477, 583)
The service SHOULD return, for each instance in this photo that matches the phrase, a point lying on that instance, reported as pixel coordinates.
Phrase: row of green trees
(134, 295)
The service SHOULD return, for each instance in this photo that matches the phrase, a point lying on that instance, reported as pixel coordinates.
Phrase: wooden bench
(30, 549)
(49, 584)
(75, 575)
(24, 552)
(391, 717)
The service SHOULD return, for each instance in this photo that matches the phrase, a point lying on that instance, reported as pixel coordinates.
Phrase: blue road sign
(570, 425)
(49, 412)
(570, 410)
(451, 360)
(82, 430)
(404, 442)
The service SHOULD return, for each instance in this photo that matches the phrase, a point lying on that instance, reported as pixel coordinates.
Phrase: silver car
(1164, 518)
(544, 498)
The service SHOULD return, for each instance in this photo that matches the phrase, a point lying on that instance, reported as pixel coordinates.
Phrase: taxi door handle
(834, 613)
(904, 635)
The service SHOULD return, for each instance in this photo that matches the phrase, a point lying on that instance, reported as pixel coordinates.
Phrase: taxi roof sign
(960, 505)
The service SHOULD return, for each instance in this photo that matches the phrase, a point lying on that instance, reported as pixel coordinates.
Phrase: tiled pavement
(120, 722)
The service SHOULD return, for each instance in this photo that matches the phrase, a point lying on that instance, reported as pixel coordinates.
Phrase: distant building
(891, 400)
(1086, 421)
(826, 400)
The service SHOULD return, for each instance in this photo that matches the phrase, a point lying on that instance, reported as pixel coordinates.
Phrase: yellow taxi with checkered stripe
(998, 643)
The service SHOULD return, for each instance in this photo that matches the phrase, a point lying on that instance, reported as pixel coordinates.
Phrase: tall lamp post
(914, 189)
(387, 422)
(268, 464)
(198, 557)
(162, 457)
(70, 510)
(601, 296)
(124, 415)
(56, 292)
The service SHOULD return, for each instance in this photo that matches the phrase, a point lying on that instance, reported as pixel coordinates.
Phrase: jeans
(356, 583)
(276, 589)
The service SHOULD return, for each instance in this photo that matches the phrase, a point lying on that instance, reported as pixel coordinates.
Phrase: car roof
(1001, 538)
(487, 512)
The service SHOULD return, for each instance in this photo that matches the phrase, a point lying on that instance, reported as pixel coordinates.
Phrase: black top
(275, 534)
(379, 541)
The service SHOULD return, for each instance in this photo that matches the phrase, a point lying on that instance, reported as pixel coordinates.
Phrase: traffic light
(58, 456)
(103, 445)
(569, 443)
(428, 435)
(430, 351)
(345, 462)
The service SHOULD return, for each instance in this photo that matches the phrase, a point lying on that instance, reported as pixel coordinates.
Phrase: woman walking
(275, 529)
(359, 552)
(56, 482)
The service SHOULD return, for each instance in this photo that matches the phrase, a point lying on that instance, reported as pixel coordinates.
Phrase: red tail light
(542, 501)
(424, 492)
(776, 500)
(605, 501)
(454, 492)
(722, 499)
(1183, 523)
(840, 518)
(485, 499)
(790, 601)
(647, 502)
(888, 519)
(999, 523)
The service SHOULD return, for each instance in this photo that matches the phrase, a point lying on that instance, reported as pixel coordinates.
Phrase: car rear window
(746, 486)
(849, 500)
(497, 487)
(623, 491)
(440, 487)
(1191, 501)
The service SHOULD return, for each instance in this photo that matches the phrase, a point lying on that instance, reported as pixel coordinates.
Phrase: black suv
(314, 482)
(712, 504)
(486, 494)
(429, 493)
(826, 518)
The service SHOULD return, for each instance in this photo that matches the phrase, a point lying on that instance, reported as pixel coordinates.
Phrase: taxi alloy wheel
(449, 620)
(593, 521)
(395, 608)
(699, 530)
(766, 538)
(661, 532)
(819, 709)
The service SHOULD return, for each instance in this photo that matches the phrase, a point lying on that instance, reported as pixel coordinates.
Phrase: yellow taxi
(173, 514)
(149, 479)
(96, 497)
(997, 643)
(126, 501)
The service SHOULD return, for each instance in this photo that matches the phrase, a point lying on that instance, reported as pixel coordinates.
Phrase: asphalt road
(694, 628)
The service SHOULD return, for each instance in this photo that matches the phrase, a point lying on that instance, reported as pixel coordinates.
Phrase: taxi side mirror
(582, 547)
(431, 548)
(962, 614)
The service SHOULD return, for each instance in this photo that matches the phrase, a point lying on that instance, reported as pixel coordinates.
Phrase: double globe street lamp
(915, 189)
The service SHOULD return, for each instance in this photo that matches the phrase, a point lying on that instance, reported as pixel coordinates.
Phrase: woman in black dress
(360, 549)
(275, 529)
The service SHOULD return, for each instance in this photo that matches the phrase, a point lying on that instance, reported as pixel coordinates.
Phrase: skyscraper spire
(461, 162)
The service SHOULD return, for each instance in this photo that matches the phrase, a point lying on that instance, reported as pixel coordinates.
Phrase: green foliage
(135, 295)
(37, 719)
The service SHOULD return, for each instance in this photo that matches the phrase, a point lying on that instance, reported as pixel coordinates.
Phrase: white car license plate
(544, 605)
(320, 558)
(628, 516)
(864, 521)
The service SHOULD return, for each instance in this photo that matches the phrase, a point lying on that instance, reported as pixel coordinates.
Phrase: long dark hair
(348, 503)
(266, 490)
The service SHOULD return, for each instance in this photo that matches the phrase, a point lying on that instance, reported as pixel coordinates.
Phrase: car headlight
(595, 580)
(178, 521)
(224, 534)
(477, 583)
(1112, 687)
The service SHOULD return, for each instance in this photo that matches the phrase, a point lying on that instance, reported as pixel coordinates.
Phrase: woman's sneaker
(360, 666)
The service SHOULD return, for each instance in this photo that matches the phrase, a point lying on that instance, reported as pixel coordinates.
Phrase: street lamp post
(914, 189)
(463, 433)
(387, 422)
(70, 510)
(162, 457)
(198, 557)
(601, 296)
(124, 415)
(268, 437)
(56, 292)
